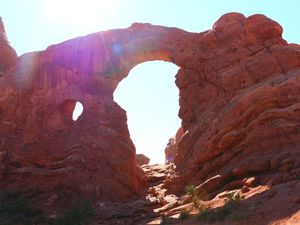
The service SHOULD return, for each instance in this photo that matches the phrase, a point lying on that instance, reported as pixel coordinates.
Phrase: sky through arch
(150, 97)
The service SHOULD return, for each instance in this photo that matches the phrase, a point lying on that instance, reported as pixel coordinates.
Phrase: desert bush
(206, 216)
(195, 196)
(15, 210)
(232, 210)
(183, 215)
(80, 214)
(164, 220)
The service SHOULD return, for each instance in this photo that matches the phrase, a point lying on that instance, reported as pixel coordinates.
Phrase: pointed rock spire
(8, 55)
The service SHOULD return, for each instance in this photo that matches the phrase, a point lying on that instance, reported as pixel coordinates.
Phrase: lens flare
(80, 12)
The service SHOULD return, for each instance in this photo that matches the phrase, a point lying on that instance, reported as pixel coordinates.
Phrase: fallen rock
(245, 189)
(251, 182)
(210, 185)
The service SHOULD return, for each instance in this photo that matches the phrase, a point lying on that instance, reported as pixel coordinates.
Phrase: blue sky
(149, 94)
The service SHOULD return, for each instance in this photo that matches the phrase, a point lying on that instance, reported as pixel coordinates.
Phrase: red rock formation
(141, 159)
(172, 148)
(8, 55)
(239, 105)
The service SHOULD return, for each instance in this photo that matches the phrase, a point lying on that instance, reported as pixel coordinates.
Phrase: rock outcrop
(8, 55)
(240, 106)
(239, 102)
(141, 159)
(172, 148)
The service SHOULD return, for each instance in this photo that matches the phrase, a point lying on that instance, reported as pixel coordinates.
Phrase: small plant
(231, 210)
(222, 213)
(80, 214)
(164, 220)
(238, 214)
(183, 215)
(207, 216)
(195, 196)
(234, 197)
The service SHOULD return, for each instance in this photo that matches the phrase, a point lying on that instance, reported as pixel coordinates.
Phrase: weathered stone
(172, 146)
(210, 184)
(141, 159)
(259, 165)
(8, 55)
(239, 105)
(240, 171)
(251, 182)
(245, 189)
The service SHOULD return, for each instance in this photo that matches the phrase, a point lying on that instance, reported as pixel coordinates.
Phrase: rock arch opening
(150, 97)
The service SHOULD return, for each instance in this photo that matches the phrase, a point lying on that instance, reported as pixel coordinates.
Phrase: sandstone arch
(225, 73)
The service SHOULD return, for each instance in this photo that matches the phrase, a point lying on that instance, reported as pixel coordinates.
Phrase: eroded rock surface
(239, 89)
(8, 55)
(141, 159)
(240, 106)
(172, 146)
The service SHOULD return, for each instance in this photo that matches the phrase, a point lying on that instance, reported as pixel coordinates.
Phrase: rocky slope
(261, 205)
(239, 87)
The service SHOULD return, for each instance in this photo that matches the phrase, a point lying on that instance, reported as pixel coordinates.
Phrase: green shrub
(164, 220)
(80, 214)
(195, 196)
(207, 216)
(183, 215)
(233, 196)
(14, 209)
(238, 214)
(231, 210)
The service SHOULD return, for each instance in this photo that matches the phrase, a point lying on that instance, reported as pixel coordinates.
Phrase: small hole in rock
(78, 109)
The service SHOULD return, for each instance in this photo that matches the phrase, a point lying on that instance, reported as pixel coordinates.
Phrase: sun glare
(80, 12)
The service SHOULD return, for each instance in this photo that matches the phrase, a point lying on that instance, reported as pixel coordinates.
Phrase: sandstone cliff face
(239, 105)
(8, 55)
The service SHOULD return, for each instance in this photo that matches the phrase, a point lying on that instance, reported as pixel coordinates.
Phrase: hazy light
(117, 49)
(80, 12)
(150, 97)
(77, 111)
